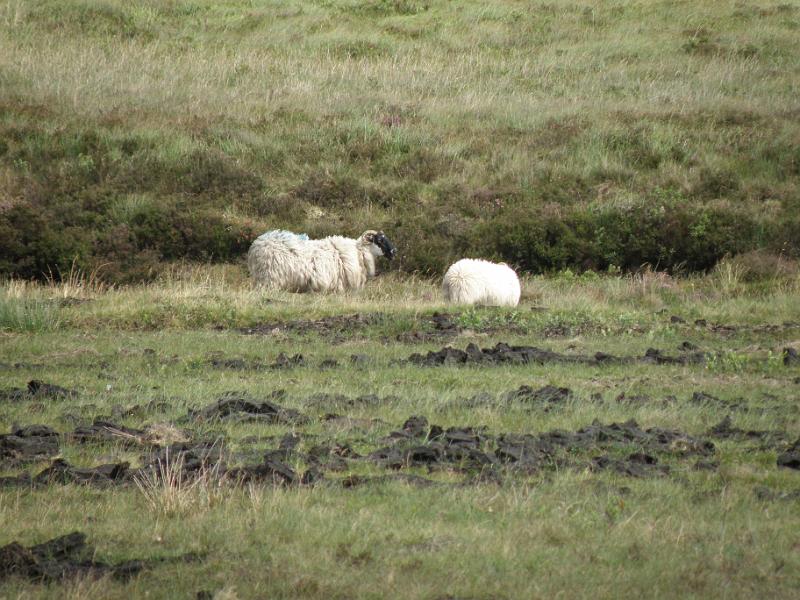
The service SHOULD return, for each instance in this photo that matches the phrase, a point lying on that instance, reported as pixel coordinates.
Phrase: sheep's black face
(382, 242)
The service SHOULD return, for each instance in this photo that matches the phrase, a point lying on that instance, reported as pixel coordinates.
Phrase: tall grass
(28, 315)
(170, 491)
(27, 306)
(76, 284)
(189, 296)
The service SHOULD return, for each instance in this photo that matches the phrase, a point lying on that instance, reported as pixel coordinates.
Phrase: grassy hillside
(553, 134)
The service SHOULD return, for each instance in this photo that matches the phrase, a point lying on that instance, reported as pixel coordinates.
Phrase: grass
(30, 315)
(135, 135)
(191, 297)
(169, 491)
(566, 530)
(603, 143)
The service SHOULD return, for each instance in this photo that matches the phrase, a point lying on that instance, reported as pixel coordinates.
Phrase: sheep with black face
(292, 262)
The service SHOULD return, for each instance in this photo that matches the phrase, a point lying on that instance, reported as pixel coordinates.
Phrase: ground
(622, 433)
(637, 436)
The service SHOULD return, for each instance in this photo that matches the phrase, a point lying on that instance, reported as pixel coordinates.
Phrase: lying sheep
(292, 262)
(475, 281)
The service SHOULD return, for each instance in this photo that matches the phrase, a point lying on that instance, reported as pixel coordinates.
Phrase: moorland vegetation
(581, 135)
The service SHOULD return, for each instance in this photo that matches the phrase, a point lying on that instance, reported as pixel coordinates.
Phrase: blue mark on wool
(283, 235)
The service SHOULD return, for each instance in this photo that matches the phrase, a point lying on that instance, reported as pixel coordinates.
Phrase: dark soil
(637, 464)
(233, 406)
(20, 365)
(37, 390)
(282, 361)
(360, 359)
(208, 458)
(729, 329)
(439, 326)
(338, 401)
(503, 353)
(61, 558)
(541, 449)
(762, 492)
(190, 458)
(352, 481)
(271, 471)
(791, 458)
(551, 397)
(237, 364)
(444, 323)
(706, 465)
(476, 453)
(435, 327)
(791, 358)
(545, 398)
(637, 399)
(63, 473)
(107, 432)
(28, 443)
(652, 355)
(338, 326)
(624, 448)
(703, 399)
(471, 449)
(138, 410)
(724, 430)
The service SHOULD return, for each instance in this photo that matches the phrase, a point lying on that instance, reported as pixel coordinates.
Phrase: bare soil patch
(61, 558)
(503, 353)
(37, 390)
(68, 557)
(476, 453)
(342, 326)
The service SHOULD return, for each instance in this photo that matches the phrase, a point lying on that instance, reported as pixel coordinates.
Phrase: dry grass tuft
(171, 492)
(165, 434)
(77, 283)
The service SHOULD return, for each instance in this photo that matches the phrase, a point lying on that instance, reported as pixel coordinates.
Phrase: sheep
(475, 281)
(292, 262)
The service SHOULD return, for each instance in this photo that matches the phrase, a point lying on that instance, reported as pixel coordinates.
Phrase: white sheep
(475, 281)
(292, 262)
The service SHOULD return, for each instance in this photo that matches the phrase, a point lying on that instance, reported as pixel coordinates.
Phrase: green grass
(581, 139)
(27, 315)
(563, 530)
(549, 134)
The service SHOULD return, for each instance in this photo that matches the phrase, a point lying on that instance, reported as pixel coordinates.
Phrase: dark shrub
(175, 233)
(760, 265)
(211, 172)
(784, 237)
(35, 244)
(33, 247)
(205, 236)
(423, 246)
(666, 237)
(530, 240)
(330, 190)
